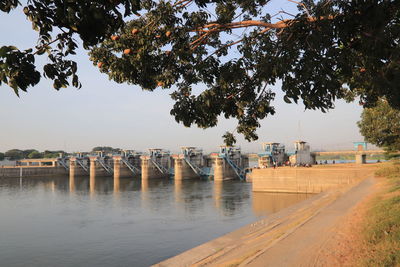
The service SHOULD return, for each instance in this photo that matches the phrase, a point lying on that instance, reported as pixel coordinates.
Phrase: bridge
(333, 153)
(347, 152)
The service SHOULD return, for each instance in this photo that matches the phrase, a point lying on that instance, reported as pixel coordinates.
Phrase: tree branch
(216, 27)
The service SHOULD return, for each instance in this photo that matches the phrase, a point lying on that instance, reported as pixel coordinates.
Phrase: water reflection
(266, 203)
(117, 184)
(46, 184)
(178, 188)
(190, 195)
(128, 218)
(229, 196)
(92, 185)
(218, 189)
(71, 183)
(156, 193)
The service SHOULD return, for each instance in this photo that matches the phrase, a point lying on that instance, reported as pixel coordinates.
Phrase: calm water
(126, 222)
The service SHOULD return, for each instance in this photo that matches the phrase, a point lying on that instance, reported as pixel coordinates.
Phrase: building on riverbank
(302, 154)
(273, 154)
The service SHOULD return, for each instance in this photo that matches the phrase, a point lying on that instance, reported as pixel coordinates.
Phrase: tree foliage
(16, 154)
(57, 22)
(380, 125)
(35, 155)
(2, 156)
(106, 149)
(222, 58)
(52, 154)
(329, 50)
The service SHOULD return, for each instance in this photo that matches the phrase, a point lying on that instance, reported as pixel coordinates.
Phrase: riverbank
(381, 227)
(292, 237)
(369, 235)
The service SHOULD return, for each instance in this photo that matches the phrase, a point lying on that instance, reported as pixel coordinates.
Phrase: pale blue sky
(106, 113)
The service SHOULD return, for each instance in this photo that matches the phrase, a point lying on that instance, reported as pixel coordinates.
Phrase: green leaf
(286, 99)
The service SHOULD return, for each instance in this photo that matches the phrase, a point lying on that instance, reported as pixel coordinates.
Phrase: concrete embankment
(317, 179)
(306, 225)
(26, 171)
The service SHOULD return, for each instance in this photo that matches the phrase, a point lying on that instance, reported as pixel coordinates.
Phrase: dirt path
(348, 246)
(297, 236)
(307, 245)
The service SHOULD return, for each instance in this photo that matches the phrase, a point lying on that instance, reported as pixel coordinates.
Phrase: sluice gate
(106, 167)
(79, 161)
(230, 163)
(239, 171)
(198, 170)
(63, 163)
(157, 164)
(190, 164)
(135, 171)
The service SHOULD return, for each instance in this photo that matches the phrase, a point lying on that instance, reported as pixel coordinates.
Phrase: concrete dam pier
(191, 163)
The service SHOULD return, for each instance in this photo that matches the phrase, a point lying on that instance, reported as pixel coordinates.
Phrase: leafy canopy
(380, 125)
(15, 154)
(106, 149)
(57, 22)
(235, 49)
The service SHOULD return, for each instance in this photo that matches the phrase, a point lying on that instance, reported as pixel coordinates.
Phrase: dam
(229, 163)
(129, 213)
(191, 163)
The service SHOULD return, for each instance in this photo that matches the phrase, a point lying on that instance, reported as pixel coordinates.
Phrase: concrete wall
(32, 171)
(267, 203)
(150, 171)
(222, 170)
(75, 169)
(308, 180)
(361, 158)
(164, 161)
(95, 168)
(135, 161)
(183, 170)
(302, 157)
(120, 168)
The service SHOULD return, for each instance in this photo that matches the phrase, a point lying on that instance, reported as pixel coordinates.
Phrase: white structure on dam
(302, 154)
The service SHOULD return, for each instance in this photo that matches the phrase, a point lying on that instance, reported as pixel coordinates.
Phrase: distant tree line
(16, 154)
(106, 149)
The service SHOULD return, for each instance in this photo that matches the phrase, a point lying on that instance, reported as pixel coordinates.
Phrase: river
(125, 222)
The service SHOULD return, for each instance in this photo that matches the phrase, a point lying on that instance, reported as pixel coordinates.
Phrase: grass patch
(382, 226)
